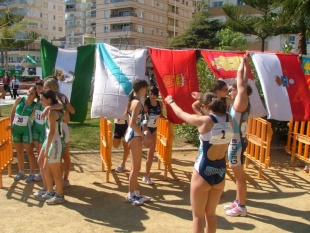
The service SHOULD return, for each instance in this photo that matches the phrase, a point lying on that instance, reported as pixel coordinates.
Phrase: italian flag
(73, 69)
(284, 86)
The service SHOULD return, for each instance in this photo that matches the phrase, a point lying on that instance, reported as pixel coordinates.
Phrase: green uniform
(21, 129)
(57, 147)
(38, 129)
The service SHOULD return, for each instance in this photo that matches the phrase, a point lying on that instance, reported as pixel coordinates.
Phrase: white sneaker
(120, 168)
(55, 200)
(231, 205)
(38, 177)
(147, 180)
(41, 192)
(237, 211)
(135, 200)
(143, 198)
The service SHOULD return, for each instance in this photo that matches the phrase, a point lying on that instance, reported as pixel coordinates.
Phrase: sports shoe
(45, 196)
(231, 205)
(306, 169)
(30, 178)
(142, 197)
(55, 200)
(19, 176)
(41, 192)
(135, 200)
(237, 211)
(120, 168)
(38, 177)
(65, 184)
(147, 180)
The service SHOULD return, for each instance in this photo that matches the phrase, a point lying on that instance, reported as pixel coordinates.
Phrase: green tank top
(23, 113)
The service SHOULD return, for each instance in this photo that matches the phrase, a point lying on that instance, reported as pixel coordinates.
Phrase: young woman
(208, 178)
(153, 109)
(52, 84)
(6, 84)
(22, 110)
(134, 137)
(2, 94)
(52, 150)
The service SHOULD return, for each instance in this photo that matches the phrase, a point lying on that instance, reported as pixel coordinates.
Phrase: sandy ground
(277, 203)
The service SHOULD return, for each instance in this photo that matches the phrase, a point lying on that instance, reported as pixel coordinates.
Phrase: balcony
(70, 10)
(123, 29)
(70, 1)
(116, 1)
(123, 14)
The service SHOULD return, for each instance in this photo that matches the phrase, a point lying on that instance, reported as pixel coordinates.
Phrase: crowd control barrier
(106, 133)
(259, 135)
(298, 141)
(6, 148)
(164, 142)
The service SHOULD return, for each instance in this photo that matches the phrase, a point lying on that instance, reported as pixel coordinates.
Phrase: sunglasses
(230, 90)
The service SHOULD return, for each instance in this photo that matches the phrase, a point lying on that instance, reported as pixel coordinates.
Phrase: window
(54, 28)
(308, 40)
(292, 40)
(60, 29)
(141, 15)
(141, 1)
(140, 29)
(152, 31)
(106, 28)
(217, 4)
(54, 17)
(239, 3)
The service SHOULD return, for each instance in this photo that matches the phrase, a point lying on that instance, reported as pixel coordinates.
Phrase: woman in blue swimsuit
(208, 178)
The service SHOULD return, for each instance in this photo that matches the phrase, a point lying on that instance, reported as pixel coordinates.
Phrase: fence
(106, 146)
(259, 135)
(6, 148)
(298, 140)
(164, 142)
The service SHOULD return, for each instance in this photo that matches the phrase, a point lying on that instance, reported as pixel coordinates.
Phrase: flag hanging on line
(305, 63)
(224, 65)
(73, 69)
(30, 59)
(176, 75)
(284, 86)
(115, 71)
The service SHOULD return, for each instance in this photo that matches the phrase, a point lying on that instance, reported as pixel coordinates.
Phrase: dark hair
(218, 85)
(137, 85)
(249, 88)
(39, 83)
(154, 90)
(216, 105)
(49, 94)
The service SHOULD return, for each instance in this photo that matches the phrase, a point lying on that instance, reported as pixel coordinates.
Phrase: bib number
(20, 120)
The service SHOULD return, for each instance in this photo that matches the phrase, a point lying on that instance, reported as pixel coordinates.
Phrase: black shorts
(120, 130)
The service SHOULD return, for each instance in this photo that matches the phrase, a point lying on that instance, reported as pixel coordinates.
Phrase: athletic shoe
(65, 184)
(147, 180)
(135, 200)
(55, 200)
(19, 176)
(231, 205)
(306, 169)
(41, 192)
(45, 196)
(120, 168)
(142, 197)
(38, 177)
(30, 178)
(237, 211)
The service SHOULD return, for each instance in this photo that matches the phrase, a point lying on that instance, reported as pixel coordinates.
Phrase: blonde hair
(51, 83)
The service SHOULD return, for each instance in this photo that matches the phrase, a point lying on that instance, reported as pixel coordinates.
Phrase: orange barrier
(6, 148)
(259, 135)
(164, 141)
(106, 146)
(298, 140)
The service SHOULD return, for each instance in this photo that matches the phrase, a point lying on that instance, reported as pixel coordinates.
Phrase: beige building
(46, 17)
(130, 24)
(273, 43)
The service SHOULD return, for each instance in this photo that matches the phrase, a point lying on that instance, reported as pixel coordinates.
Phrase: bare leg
(66, 163)
(135, 146)
(241, 186)
(19, 147)
(150, 155)
(31, 157)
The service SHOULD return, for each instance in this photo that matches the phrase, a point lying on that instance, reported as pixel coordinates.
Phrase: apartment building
(46, 17)
(80, 21)
(273, 43)
(131, 24)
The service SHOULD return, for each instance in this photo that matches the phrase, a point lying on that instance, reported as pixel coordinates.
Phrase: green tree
(14, 33)
(263, 21)
(230, 40)
(200, 33)
(296, 15)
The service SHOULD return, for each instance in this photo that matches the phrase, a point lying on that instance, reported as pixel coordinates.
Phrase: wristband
(171, 101)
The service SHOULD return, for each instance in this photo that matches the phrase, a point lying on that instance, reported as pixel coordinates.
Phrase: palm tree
(13, 32)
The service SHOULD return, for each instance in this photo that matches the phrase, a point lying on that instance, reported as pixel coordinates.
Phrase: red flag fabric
(176, 75)
(224, 65)
(284, 86)
(305, 63)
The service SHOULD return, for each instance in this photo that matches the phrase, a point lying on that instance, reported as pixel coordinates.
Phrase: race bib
(153, 121)
(20, 120)
(37, 118)
(221, 133)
